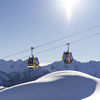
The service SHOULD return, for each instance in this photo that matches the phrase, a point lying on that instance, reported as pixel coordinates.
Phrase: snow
(60, 85)
(13, 73)
(91, 68)
(3, 76)
(2, 87)
(12, 66)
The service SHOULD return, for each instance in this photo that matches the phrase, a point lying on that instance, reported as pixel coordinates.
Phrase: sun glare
(69, 5)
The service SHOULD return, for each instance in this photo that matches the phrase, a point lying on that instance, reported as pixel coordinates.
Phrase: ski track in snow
(60, 85)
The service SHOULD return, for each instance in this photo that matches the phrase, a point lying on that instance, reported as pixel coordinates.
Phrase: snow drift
(13, 73)
(61, 85)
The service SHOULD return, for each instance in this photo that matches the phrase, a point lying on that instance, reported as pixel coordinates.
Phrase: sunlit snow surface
(60, 85)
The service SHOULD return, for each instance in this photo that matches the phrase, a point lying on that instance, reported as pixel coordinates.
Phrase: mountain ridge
(16, 72)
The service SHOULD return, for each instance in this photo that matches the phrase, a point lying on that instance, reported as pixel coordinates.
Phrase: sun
(69, 5)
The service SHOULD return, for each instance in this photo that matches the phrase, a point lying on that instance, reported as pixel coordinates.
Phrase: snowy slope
(61, 85)
(13, 73)
(91, 68)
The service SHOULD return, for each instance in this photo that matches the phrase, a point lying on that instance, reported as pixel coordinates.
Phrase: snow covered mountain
(60, 85)
(91, 68)
(12, 73)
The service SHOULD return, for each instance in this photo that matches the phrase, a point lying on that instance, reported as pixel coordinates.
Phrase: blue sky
(26, 23)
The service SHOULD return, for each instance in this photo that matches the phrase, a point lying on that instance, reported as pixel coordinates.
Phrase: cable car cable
(50, 42)
(84, 38)
(68, 36)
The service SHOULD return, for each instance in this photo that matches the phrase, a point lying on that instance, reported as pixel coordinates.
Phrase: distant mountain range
(13, 73)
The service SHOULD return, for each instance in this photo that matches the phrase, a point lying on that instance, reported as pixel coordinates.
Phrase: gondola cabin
(33, 62)
(67, 57)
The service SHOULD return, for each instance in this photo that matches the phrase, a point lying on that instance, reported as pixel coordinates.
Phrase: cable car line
(16, 53)
(68, 36)
(73, 42)
(85, 38)
(67, 58)
(51, 42)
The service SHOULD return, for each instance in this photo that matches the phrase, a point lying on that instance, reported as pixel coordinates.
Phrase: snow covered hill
(13, 73)
(60, 85)
(91, 68)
